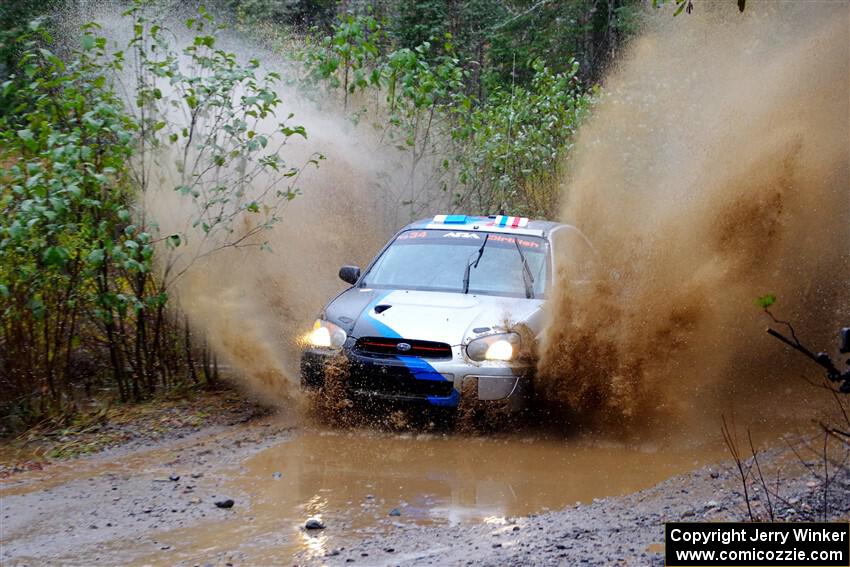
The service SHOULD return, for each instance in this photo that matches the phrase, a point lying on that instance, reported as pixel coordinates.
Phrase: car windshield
(436, 260)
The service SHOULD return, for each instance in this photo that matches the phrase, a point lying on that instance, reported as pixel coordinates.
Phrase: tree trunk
(115, 359)
(190, 361)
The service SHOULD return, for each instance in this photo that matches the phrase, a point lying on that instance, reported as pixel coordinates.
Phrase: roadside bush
(85, 272)
(66, 243)
(512, 146)
(460, 153)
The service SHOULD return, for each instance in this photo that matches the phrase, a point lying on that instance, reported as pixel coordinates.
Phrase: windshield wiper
(471, 264)
(527, 277)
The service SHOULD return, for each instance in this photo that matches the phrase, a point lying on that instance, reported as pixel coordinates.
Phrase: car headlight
(325, 335)
(503, 346)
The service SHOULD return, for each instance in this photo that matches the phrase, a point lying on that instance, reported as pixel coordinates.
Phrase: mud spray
(254, 305)
(714, 170)
(251, 305)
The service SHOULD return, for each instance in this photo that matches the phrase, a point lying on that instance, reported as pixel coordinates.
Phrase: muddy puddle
(363, 483)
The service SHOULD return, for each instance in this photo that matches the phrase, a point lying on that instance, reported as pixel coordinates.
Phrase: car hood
(429, 315)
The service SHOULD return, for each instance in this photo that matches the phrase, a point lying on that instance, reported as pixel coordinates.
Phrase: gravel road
(156, 504)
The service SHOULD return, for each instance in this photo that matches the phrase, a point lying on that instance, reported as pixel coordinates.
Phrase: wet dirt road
(361, 484)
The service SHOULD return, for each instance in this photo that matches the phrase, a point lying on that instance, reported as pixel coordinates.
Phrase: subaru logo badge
(403, 347)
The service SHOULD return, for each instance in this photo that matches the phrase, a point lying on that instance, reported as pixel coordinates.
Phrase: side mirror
(349, 274)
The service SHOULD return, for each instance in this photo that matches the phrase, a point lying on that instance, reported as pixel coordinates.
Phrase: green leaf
(88, 41)
(55, 256)
(766, 301)
(96, 257)
(36, 306)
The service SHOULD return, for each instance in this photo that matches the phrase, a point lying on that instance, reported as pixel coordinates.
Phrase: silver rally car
(440, 305)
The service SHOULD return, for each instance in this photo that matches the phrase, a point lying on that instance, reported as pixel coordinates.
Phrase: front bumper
(415, 379)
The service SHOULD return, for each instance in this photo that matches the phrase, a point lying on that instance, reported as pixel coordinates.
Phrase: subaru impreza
(448, 300)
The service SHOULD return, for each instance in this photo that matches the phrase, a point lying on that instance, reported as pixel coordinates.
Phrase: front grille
(395, 381)
(389, 347)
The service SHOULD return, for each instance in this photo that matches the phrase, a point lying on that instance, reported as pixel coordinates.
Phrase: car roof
(492, 223)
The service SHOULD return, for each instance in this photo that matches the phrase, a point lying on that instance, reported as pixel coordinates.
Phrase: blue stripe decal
(455, 219)
(504, 221)
(451, 401)
(420, 369)
(381, 329)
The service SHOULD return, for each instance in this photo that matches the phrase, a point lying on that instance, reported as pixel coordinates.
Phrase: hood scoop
(381, 308)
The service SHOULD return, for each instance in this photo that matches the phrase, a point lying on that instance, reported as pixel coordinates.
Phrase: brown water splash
(249, 305)
(253, 305)
(714, 170)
